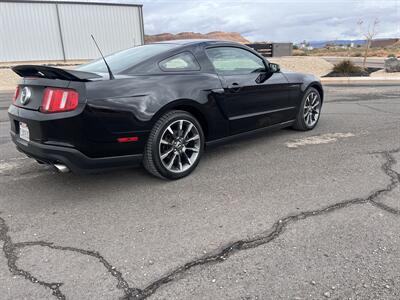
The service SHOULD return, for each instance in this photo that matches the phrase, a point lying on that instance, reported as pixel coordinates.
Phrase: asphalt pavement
(282, 215)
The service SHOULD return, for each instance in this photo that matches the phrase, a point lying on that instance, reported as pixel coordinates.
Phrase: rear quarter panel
(136, 102)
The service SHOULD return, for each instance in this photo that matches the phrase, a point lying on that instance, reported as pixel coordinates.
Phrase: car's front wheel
(310, 110)
(175, 145)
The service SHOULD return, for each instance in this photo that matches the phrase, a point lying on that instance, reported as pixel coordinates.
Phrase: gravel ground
(304, 64)
(8, 79)
(382, 73)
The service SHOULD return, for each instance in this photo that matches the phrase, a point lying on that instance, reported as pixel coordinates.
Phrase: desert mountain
(216, 35)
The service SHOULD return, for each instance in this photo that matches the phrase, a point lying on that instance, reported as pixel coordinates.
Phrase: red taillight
(16, 94)
(128, 139)
(59, 100)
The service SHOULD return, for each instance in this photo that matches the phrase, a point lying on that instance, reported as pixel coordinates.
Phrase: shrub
(358, 54)
(391, 55)
(299, 53)
(346, 67)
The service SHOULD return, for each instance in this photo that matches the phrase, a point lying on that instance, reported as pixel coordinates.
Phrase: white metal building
(60, 30)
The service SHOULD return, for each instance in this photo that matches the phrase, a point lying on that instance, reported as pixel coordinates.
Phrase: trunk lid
(37, 78)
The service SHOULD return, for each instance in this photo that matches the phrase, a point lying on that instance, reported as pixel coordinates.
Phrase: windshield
(124, 59)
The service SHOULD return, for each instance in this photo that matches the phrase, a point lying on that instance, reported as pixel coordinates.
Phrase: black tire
(300, 123)
(152, 156)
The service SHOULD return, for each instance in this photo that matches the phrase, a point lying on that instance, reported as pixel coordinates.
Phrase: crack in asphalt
(10, 248)
(279, 226)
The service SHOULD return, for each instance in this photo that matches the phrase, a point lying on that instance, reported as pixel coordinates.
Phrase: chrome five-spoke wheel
(179, 146)
(312, 109)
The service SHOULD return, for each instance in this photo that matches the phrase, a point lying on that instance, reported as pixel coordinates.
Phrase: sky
(278, 21)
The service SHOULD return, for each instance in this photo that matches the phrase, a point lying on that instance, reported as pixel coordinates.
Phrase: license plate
(23, 131)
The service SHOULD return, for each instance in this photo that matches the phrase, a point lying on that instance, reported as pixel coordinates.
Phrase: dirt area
(382, 73)
(47, 63)
(8, 79)
(304, 64)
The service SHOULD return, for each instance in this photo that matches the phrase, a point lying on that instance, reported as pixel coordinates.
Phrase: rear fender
(213, 123)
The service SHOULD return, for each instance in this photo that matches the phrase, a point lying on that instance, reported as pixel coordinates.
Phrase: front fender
(303, 82)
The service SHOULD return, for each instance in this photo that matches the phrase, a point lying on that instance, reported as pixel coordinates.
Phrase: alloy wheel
(312, 109)
(179, 146)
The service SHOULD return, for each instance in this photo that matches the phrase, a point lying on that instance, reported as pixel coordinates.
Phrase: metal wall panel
(29, 32)
(282, 49)
(54, 31)
(114, 27)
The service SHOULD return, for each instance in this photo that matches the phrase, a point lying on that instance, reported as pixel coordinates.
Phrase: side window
(184, 61)
(234, 61)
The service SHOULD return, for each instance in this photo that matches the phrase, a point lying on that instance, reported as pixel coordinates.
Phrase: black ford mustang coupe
(158, 104)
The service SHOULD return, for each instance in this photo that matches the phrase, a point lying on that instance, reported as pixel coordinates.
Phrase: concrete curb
(360, 80)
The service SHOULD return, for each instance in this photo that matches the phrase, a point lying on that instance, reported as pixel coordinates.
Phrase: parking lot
(283, 215)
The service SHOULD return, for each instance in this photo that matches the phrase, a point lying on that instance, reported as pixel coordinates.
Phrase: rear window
(184, 61)
(125, 59)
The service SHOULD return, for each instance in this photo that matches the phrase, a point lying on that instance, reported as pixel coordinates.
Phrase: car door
(253, 97)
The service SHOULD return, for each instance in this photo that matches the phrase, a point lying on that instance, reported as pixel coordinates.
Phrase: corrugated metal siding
(27, 32)
(114, 27)
(282, 49)
(30, 31)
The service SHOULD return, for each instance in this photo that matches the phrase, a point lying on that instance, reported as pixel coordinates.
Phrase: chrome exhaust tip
(61, 168)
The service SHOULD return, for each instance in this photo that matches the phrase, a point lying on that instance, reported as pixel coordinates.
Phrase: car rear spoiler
(53, 73)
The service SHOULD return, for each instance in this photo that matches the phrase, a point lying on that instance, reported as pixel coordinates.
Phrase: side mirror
(274, 68)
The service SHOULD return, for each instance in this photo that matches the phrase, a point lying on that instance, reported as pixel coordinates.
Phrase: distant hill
(322, 44)
(216, 35)
(375, 43)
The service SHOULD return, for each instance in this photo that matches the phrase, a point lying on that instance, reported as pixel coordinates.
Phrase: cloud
(273, 20)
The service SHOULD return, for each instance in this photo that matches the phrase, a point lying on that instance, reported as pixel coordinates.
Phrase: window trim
(265, 62)
(179, 71)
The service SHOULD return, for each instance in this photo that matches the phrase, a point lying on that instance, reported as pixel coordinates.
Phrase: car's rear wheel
(175, 145)
(310, 110)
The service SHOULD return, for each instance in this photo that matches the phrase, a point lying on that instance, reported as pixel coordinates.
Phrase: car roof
(196, 41)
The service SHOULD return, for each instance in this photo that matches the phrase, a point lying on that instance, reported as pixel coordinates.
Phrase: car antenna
(108, 67)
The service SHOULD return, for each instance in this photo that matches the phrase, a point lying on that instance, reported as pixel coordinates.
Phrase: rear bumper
(72, 158)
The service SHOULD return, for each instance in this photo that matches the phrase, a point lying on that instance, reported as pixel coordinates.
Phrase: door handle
(234, 87)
